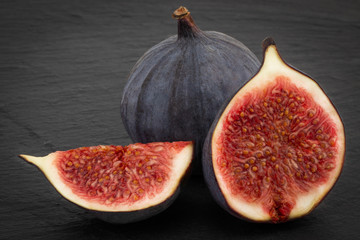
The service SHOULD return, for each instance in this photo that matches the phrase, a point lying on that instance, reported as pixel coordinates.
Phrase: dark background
(63, 66)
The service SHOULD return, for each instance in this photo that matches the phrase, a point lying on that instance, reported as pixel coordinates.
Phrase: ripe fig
(176, 88)
(120, 184)
(277, 147)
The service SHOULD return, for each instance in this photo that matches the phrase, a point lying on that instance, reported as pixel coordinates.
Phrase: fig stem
(268, 41)
(181, 12)
(186, 25)
(270, 49)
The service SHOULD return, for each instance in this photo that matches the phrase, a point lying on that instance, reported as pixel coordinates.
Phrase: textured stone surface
(63, 65)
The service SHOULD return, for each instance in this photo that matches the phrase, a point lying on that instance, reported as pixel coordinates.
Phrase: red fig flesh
(277, 148)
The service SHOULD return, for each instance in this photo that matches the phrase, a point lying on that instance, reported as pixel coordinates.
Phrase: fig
(119, 184)
(176, 88)
(277, 147)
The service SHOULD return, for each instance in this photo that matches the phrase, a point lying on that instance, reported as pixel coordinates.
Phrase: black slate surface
(63, 65)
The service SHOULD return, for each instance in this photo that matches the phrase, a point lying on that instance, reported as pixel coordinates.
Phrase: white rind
(273, 66)
(181, 163)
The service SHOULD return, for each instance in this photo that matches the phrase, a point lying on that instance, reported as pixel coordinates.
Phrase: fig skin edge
(114, 217)
(208, 170)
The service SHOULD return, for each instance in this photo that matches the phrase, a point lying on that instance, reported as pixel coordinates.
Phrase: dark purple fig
(176, 88)
(277, 147)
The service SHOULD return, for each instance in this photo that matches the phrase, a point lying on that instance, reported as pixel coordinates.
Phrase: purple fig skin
(136, 216)
(176, 88)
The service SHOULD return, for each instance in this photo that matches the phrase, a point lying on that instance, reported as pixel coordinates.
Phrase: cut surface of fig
(118, 178)
(277, 148)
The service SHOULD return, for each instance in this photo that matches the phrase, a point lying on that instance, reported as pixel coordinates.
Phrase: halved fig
(120, 184)
(277, 148)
